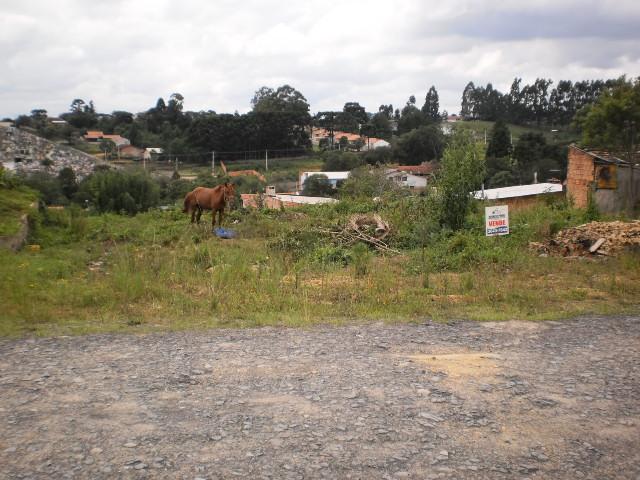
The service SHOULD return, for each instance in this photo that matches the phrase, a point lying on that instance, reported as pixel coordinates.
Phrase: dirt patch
(462, 364)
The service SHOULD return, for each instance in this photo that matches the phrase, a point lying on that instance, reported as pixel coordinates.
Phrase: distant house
(333, 177)
(425, 169)
(614, 183)
(129, 151)
(408, 180)
(94, 136)
(149, 152)
(520, 196)
(373, 143)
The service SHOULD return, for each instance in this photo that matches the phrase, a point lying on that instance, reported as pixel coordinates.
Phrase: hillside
(564, 134)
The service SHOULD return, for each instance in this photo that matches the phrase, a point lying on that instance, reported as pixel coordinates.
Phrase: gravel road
(557, 400)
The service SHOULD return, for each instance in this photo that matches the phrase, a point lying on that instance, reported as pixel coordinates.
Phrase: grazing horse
(214, 199)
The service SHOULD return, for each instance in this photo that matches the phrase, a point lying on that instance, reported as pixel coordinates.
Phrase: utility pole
(213, 164)
(266, 159)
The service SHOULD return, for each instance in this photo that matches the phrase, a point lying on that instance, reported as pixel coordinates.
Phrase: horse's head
(229, 194)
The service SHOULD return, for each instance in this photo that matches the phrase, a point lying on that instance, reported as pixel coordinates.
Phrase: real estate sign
(496, 220)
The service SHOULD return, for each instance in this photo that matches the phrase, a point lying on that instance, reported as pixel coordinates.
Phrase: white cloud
(126, 54)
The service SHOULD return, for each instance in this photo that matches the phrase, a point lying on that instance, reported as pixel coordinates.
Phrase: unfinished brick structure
(613, 182)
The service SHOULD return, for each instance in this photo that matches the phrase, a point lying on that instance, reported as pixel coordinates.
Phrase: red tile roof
(422, 169)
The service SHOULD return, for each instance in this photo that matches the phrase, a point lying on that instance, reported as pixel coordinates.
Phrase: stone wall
(580, 176)
(25, 152)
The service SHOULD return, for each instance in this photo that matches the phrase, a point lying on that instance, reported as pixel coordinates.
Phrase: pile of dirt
(595, 238)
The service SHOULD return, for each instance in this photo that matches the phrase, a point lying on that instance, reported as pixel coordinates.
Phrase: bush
(120, 192)
(461, 172)
(318, 186)
(367, 182)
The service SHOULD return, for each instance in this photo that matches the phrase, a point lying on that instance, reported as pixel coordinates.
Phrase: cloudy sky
(124, 54)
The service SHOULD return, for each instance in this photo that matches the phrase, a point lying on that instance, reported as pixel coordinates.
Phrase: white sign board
(496, 220)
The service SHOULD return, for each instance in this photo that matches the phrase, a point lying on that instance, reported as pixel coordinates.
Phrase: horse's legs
(193, 215)
(213, 218)
(198, 214)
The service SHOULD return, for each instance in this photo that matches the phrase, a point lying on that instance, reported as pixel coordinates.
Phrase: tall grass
(156, 272)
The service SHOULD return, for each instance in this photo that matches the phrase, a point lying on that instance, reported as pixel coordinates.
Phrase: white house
(373, 143)
(406, 179)
(333, 177)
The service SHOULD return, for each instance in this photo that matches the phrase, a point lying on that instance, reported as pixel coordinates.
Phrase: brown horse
(214, 199)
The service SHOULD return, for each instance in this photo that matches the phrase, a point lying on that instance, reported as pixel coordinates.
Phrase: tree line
(535, 103)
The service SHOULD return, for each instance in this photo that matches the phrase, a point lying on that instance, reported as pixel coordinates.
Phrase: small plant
(361, 258)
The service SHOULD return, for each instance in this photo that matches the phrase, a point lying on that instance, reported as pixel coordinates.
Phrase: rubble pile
(595, 238)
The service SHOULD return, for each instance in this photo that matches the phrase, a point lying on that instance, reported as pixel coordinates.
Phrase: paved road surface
(557, 400)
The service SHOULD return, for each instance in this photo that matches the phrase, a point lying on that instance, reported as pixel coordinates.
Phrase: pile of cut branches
(369, 229)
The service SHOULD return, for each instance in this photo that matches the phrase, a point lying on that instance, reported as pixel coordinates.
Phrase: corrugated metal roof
(304, 199)
(517, 191)
(329, 175)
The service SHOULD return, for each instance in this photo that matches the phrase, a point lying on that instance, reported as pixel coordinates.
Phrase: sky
(125, 54)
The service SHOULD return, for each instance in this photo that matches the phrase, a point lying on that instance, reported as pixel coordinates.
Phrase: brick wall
(580, 175)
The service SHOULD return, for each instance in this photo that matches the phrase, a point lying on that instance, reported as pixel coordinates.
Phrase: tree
(108, 147)
(500, 141)
(431, 106)
(468, 107)
(461, 172)
(613, 121)
(356, 111)
(411, 119)
(366, 182)
(317, 186)
(68, 182)
(421, 145)
(533, 154)
(380, 126)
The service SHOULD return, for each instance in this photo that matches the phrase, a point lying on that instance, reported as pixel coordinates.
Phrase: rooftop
(517, 191)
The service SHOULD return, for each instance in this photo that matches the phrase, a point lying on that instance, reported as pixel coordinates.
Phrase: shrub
(367, 182)
(461, 172)
(120, 192)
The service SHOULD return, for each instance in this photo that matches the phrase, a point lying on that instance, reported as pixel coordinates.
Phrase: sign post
(496, 220)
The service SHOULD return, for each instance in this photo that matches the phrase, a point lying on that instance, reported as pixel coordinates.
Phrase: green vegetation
(154, 271)
(14, 203)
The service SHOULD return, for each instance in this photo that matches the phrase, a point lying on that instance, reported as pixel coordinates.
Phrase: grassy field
(156, 272)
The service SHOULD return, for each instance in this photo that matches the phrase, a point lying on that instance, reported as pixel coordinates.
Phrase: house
(520, 196)
(613, 183)
(425, 169)
(333, 177)
(408, 180)
(129, 151)
(372, 143)
(94, 136)
(149, 152)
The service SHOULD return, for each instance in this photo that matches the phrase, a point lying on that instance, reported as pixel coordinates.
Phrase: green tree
(366, 183)
(68, 182)
(318, 186)
(461, 172)
(499, 141)
(431, 107)
(421, 145)
(613, 121)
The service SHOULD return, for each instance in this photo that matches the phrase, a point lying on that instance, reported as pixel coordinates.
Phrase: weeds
(155, 271)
